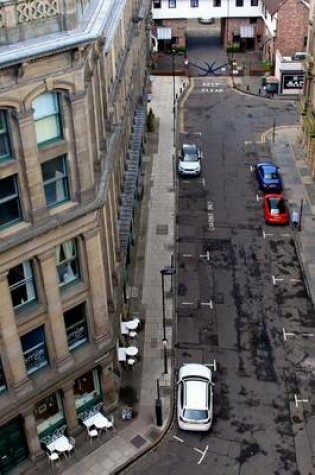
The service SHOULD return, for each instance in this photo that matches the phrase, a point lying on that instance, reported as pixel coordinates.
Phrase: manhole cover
(153, 434)
(162, 229)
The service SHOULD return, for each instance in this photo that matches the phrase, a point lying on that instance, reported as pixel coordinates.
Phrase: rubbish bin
(159, 412)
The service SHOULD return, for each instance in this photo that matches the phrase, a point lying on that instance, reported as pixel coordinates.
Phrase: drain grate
(138, 441)
(162, 229)
(153, 434)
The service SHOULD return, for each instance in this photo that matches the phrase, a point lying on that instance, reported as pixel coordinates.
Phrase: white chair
(92, 432)
(122, 356)
(123, 328)
(133, 334)
(71, 445)
(52, 456)
(131, 362)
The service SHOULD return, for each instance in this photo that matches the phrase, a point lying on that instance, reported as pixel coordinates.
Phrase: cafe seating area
(95, 422)
(128, 355)
(58, 445)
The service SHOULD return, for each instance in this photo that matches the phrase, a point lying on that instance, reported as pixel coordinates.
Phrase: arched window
(5, 142)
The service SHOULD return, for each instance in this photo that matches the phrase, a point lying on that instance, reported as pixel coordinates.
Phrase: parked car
(275, 209)
(195, 397)
(189, 160)
(268, 177)
(206, 21)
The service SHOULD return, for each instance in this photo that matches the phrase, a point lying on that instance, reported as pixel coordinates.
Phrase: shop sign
(292, 81)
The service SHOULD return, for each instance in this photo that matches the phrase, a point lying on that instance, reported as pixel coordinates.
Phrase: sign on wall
(292, 81)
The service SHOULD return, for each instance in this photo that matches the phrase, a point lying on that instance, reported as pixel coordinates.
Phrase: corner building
(72, 115)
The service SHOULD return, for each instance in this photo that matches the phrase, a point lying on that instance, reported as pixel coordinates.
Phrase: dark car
(275, 209)
(268, 177)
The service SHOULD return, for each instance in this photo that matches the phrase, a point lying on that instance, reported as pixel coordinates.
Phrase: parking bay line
(178, 438)
(274, 280)
(203, 454)
(210, 303)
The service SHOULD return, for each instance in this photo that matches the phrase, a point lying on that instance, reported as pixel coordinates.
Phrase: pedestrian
(295, 219)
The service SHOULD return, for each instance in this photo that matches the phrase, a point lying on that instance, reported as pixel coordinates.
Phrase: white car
(195, 397)
(189, 160)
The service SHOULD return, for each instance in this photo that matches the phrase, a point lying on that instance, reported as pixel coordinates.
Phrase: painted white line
(203, 454)
(257, 198)
(177, 438)
(298, 401)
(208, 256)
(252, 168)
(187, 255)
(266, 234)
(285, 334)
(295, 280)
(274, 280)
(203, 181)
(249, 142)
(308, 334)
(285, 235)
(187, 303)
(203, 255)
(210, 303)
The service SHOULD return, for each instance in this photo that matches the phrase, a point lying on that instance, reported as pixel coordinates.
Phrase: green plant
(267, 65)
(150, 121)
(233, 48)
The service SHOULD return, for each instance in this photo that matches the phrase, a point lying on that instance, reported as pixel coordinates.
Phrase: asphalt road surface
(228, 306)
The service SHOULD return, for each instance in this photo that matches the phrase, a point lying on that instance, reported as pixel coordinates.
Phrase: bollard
(247, 87)
(259, 91)
(159, 412)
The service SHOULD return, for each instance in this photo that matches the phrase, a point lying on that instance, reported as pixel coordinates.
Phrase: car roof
(196, 395)
(195, 369)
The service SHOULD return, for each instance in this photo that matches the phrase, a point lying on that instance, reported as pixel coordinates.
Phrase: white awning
(164, 33)
(247, 31)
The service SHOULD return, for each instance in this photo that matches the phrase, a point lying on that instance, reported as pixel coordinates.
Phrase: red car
(275, 209)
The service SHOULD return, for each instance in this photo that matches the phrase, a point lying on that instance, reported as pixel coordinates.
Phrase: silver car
(189, 160)
(195, 397)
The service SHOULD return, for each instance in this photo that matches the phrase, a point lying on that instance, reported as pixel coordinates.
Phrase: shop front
(87, 390)
(13, 447)
(49, 415)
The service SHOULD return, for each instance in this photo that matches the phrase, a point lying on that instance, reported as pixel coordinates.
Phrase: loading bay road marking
(266, 234)
(211, 90)
(207, 256)
(202, 452)
(299, 401)
(210, 208)
(188, 303)
(274, 280)
(210, 303)
(304, 335)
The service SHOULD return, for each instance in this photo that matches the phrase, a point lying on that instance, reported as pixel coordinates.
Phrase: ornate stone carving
(36, 10)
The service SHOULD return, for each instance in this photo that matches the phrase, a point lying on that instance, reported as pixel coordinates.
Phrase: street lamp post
(174, 97)
(167, 270)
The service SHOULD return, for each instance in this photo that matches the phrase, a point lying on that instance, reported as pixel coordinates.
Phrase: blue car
(268, 177)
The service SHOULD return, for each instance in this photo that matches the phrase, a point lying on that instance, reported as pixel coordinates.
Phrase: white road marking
(203, 454)
(177, 438)
(295, 280)
(187, 303)
(266, 234)
(257, 198)
(274, 280)
(298, 401)
(285, 235)
(308, 334)
(187, 255)
(249, 142)
(285, 334)
(210, 303)
(208, 256)
(252, 168)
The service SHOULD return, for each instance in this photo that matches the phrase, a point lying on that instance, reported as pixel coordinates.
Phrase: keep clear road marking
(203, 454)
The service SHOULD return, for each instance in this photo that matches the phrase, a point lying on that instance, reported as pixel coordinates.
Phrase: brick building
(72, 114)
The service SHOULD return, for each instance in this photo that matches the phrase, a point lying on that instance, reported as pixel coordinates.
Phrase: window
(22, 285)
(10, 210)
(67, 262)
(171, 3)
(49, 412)
(254, 3)
(239, 3)
(47, 117)
(34, 350)
(76, 326)
(194, 3)
(217, 3)
(87, 388)
(55, 178)
(157, 3)
(5, 147)
(3, 384)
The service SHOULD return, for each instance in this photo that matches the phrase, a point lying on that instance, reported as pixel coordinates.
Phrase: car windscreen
(277, 204)
(270, 173)
(195, 414)
(190, 153)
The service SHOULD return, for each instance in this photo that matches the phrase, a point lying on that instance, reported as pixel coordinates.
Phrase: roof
(195, 369)
(196, 395)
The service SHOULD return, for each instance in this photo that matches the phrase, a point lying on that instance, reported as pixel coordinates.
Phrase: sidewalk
(132, 440)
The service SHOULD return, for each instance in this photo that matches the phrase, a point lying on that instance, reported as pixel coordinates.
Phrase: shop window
(3, 384)
(5, 142)
(239, 3)
(76, 326)
(22, 284)
(217, 3)
(10, 208)
(13, 446)
(47, 118)
(34, 350)
(157, 3)
(49, 413)
(254, 3)
(87, 388)
(67, 262)
(171, 3)
(56, 181)
(194, 3)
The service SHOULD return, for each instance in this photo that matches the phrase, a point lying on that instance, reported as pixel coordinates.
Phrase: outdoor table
(132, 351)
(132, 324)
(97, 420)
(61, 444)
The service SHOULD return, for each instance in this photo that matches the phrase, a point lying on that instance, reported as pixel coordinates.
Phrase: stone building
(72, 115)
